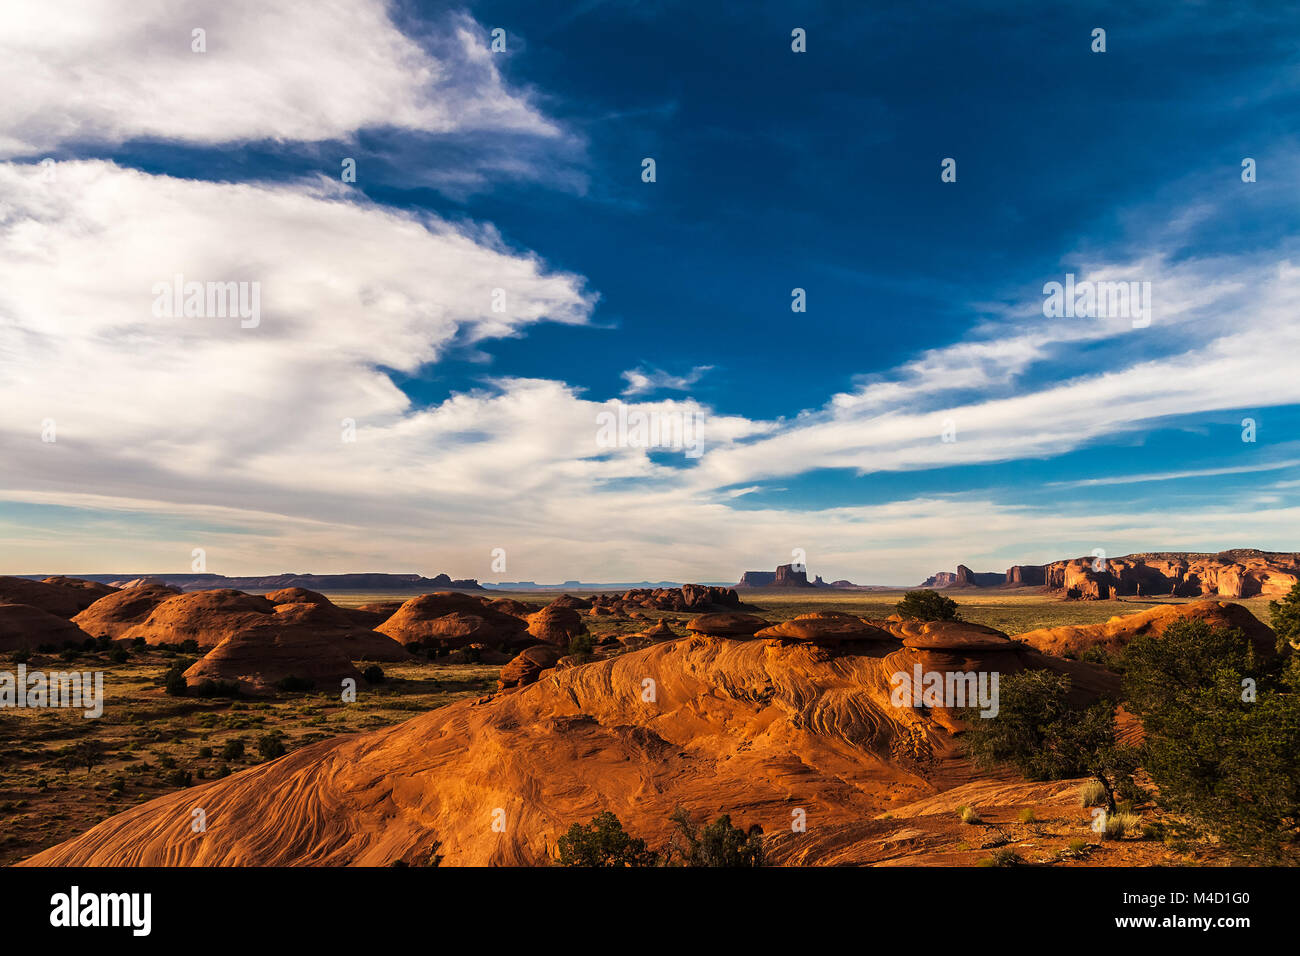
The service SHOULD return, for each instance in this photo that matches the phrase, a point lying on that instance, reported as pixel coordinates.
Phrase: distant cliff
(1244, 572)
(964, 577)
(783, 577)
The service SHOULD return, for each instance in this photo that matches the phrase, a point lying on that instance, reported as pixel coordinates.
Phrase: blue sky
(775, 170)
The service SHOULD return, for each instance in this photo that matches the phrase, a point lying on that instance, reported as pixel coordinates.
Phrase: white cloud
(109, 71)
(645, 380)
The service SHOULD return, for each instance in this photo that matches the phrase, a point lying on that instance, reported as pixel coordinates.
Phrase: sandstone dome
(114, 613)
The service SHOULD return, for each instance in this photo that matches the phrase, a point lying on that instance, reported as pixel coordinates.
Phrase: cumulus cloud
(107, 71)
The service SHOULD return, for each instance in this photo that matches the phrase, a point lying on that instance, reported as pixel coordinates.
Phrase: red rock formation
(726, 624)
(528, 666)
(27, 628)
(1026, 575)
(1233, 574)
(62, 597)
(556, 624)
(734, 726)
(283, 645)
(208, 617)
(416, 621)
(1119, 630)
(115, 613)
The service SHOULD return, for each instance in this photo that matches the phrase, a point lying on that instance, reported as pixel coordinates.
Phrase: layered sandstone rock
(283, 647)
(556, 624)
(62, 597)
(1232, 574)
(116, 612)
(207, 617)
(726, 624)
(825, 628)
(417, 621)
(733, 726)
(1119, 630)
(27, 628)
(527, 666)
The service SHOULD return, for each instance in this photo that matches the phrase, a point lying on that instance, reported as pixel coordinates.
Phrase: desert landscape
(447, 445)
(480, 728)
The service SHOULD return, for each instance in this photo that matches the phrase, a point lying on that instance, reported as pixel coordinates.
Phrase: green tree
(1285, 618)
(717, 844)
(582, 646)
(1222, 733)
(603, 842)
(927, 606)
(1038, 732)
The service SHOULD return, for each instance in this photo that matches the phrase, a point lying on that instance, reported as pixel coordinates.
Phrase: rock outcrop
(1230, 574)
(206, 617)
(528, 666)
(556, 624)
(116, 612)
(734, 726)
(726, 624)
(1119, 630)
(785, 576)
(27, 628)
(420, 621)
(284, 646)
(62, 597)
(964, 577)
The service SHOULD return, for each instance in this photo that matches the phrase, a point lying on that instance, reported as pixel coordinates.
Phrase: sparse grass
(1092, 794)
(1119, 825)
(1004, 856)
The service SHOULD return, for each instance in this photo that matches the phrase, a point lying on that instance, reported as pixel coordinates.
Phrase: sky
(432, 350)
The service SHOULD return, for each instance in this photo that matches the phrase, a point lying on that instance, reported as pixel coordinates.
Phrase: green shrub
(927, 606)
(374, 674)
(270, 746)
(603, 842)
(717, 845)
(969, 815)
(233, 750)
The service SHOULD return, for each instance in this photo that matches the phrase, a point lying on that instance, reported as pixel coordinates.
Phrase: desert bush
(174, 680)
(205, 753)
(1004, 856)
(718, 844)
(927, 606)
(119, 656)
(1027, 816)
(215, 688)
(180, 777)
(374, 674)
(21, 656)
(1040, 734)
(1092, 794)
(603, 842)
(1284, 615)
(270, 746)
(233, 750)
(582, 646)
(969, 815)
(1225, 760)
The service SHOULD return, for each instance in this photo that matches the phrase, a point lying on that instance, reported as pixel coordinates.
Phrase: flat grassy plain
(149, 743)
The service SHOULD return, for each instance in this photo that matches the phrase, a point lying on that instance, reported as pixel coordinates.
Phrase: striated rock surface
(116, 612)
(62, 597)
(1119, 630)
(749, 728)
